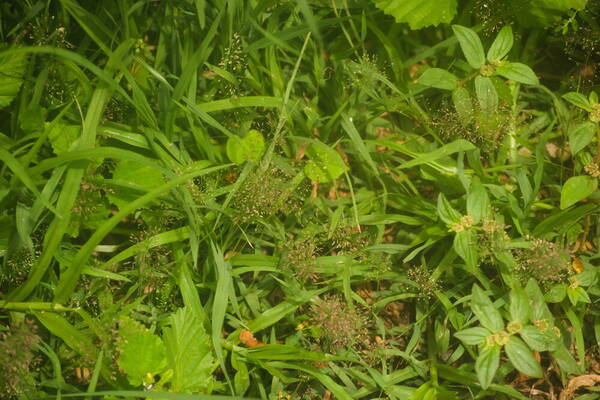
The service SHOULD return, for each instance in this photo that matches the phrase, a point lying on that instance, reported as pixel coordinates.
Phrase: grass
(298, 199)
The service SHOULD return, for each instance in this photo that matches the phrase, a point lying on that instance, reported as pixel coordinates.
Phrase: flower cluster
(17, 358)
(545, 261)
(337, 325)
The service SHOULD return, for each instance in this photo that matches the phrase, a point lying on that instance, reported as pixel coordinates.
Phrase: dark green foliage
(387, 199)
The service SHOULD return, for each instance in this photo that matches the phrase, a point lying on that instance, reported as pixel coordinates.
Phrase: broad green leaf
(133, 177)
(465, 245)
(463, 105)
(478, 202)
(12, 69)
(445, 211)
(473, 336)
(501, 45)
(325, 163)
(522, 358)
(141, 352)
(486, 93)
(539, 340)
(566, 362)
(519, 305)
(578, 100)
(575, 189)
(438, 78)
(189, 353)
(539, 308)
(470, 45)
(485, 310)
(556, 294)
(518, 72)
(581, 136)
(61, 137)
(578, 295)
(249, 148)
(419, 13)
(487, 364)
(544, 13)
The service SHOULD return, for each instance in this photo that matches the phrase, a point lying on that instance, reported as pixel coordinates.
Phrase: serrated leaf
(501, 45)
(518, 72)
(12, 69)
(487, 96)
(61, 137)
(470, 45)
(522, 358)
(189, 353)
(249, 148)
(577, 188)
(325, 163)
(581, 136)
(473, 336)
(439, 79)
(133, 175)
(485, 310)
(141, 352)
(419, 13)
(578, 99)
(487, 364)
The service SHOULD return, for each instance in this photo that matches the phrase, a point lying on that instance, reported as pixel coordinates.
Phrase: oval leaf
(522, 358)
(439, 79)
(487, 364)
(518, 72)
(463, 105)
(485, 310)
(578, 100)
(501, 45)
(539, 340)
(470, 45)
(473, 336)
(577, 188)
(486, 93)
(581, 136)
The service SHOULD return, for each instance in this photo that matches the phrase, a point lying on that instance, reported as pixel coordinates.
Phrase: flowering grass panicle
(545, 261)
(337, 325)
(17, 358)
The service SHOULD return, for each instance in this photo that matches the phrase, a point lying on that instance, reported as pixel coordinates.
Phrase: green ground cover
(308, 199)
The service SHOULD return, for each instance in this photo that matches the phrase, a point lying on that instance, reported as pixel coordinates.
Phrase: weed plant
(377, 199)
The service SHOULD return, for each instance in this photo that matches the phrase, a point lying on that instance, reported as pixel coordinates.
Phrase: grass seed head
(545, 261)
(338, 326)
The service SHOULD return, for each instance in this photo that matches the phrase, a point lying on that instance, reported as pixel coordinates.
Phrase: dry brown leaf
(247, 338)
(576, 383)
